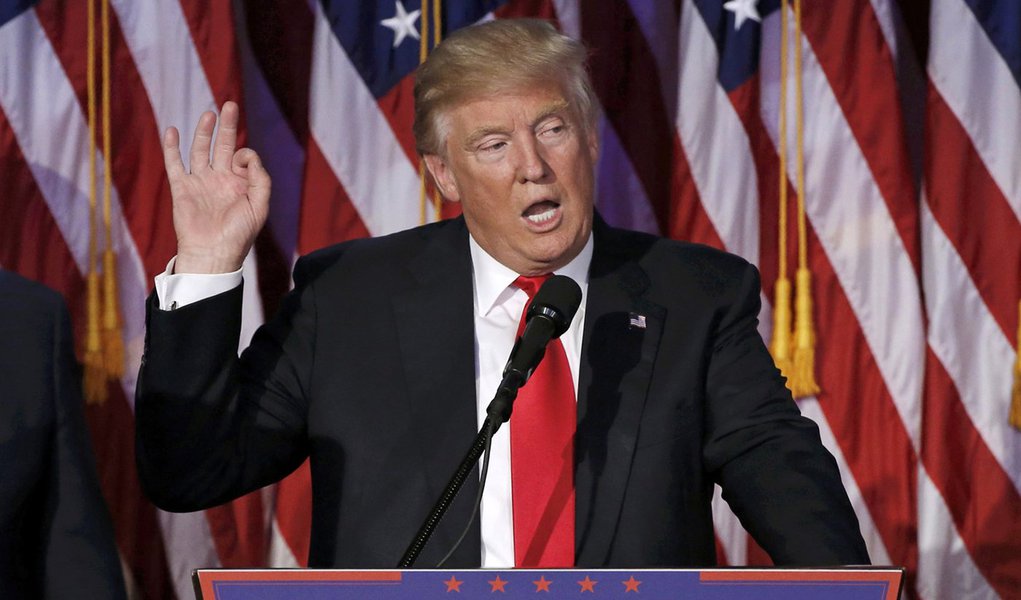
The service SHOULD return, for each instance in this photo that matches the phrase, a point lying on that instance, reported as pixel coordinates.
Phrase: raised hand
(220, 206)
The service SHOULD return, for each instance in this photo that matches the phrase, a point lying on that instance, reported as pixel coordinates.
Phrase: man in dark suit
(369, 368)
(56, 540)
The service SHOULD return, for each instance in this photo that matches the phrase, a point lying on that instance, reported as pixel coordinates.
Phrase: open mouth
(542, 212)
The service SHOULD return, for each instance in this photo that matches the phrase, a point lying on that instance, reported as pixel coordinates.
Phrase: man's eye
(492, 147)
(554, 130)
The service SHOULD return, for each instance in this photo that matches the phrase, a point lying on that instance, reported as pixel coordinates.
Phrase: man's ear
(443, 177)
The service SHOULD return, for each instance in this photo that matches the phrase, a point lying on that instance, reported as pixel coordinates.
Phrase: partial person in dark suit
(381, 362)
(56, 540)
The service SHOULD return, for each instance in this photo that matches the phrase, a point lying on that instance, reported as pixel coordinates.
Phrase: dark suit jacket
(369, 370)
(56, 540)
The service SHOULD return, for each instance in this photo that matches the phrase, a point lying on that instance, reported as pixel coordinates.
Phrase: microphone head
(558, 300)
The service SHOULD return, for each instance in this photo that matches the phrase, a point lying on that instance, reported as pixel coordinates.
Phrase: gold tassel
(1015, 400)
(802, 381)
(113, 341)
(94, 383)
(780, 344)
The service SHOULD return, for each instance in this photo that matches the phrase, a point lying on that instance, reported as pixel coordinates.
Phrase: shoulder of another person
(22, 296)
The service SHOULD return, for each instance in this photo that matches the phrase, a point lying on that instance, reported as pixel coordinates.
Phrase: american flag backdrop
(912, 158)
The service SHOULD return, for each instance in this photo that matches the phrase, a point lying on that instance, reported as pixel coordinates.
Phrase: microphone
(548, 317)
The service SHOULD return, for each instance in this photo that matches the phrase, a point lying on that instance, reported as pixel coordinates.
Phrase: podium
(865, 583)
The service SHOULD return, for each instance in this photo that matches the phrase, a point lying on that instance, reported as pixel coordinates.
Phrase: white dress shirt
(498, 305)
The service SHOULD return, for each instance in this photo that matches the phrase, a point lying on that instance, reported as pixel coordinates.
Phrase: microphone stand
(489, 427)
(498, 413)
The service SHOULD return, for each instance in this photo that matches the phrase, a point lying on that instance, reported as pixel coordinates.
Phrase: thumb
(248, 164)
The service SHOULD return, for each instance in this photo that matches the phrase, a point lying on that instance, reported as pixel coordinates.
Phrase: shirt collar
(493, 280)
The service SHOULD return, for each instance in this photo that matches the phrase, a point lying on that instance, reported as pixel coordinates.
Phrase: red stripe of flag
(327, 214)
(973, 213)
(984, 231)
(688, 219)
(294, 512)
(866, 90)
(212, 30)
(239, 531)
(398, 108)
(535, 9)
(31, 243)
(747, 101)
(981, 498)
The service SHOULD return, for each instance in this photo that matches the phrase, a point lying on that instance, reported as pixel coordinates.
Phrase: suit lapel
(437, 343)
(622, 333)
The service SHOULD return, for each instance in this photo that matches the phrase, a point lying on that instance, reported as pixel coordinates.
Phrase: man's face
(521, 165)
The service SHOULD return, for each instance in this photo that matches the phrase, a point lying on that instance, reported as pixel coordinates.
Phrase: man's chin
(551, 259)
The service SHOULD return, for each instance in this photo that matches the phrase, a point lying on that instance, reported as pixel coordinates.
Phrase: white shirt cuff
(178, 290)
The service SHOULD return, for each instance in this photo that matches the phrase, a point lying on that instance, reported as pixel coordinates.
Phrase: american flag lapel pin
(636, 321)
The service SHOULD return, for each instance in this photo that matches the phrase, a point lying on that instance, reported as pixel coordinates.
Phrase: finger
(172, 154)
(226, 137)
(199, 155)
(248, 164)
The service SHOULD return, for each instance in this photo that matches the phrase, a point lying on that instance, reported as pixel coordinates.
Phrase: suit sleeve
(210, 426)
(776, 475)
(79, 557)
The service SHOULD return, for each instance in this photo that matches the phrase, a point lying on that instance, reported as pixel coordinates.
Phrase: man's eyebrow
(479, 133)
(550, 110)
(547, 112)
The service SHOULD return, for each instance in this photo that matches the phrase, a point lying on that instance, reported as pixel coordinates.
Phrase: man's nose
(531, 165)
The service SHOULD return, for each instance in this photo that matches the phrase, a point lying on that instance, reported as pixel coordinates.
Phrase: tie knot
(531, 284)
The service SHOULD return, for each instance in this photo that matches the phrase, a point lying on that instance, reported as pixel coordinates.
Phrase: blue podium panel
(645, 584)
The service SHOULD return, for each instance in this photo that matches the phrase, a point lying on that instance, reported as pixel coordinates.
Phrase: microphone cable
(490, 430)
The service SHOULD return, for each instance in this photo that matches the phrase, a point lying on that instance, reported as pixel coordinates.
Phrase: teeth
(542, 217)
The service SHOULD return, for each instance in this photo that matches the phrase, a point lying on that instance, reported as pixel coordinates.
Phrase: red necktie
(542, 457)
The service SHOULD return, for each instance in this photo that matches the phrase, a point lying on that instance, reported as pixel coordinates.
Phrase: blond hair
(495, 57)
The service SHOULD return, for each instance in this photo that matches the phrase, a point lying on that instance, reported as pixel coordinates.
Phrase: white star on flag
(402, 24)
(743, 9)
